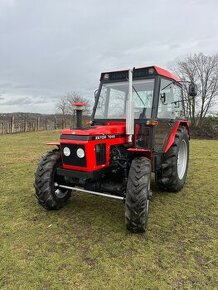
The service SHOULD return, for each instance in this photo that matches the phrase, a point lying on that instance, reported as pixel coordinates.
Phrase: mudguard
(54, 144)
(172, 136)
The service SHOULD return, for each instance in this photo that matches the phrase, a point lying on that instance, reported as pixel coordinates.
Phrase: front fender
(140, 151)
(54, 144)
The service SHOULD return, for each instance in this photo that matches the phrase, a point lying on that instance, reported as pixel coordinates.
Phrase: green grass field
(86, 246)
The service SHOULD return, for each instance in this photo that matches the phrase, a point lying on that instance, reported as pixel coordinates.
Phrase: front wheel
(137, 195)
(47, 194)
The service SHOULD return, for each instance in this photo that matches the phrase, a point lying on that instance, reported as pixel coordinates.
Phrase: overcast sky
(50, 47)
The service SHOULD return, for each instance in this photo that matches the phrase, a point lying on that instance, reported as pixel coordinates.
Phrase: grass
(85, 245)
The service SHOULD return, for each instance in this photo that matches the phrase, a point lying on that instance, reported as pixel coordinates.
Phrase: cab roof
(138, 73)
(165, 73)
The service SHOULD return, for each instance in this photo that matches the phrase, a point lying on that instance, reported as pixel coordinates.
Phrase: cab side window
(170, 100)
(178, 101)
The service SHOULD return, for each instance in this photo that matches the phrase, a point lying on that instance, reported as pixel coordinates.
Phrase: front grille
(73, 159)
(100, 150)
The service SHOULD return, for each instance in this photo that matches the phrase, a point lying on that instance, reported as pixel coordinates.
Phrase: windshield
(113, 98)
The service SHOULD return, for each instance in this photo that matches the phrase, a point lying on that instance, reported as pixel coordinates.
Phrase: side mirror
(192, 90)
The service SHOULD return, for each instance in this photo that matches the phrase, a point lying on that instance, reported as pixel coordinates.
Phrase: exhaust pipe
(79, 107)
(130, 110)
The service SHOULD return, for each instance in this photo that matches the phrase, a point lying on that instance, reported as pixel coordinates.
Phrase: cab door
(170, 108)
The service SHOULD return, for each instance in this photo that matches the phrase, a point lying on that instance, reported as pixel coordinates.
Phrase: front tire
(173, 172)
(137, 195)
(45, 177)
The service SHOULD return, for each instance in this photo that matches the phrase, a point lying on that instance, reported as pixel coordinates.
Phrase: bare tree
(202, 70)
(74, 97)
(62, 107)
(65, 106)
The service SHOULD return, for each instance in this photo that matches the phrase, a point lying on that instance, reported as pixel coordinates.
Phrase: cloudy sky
(50, 47)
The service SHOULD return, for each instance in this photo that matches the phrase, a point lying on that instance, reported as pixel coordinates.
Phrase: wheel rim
(182, 159)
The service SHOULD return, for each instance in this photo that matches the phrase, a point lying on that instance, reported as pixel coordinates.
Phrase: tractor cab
(153, 98)
(137, 127)
(148, 86)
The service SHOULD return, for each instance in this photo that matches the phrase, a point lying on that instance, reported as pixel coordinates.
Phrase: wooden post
(25, 125)
(45, 124)
(19, 126)
(38, 124)
(55, 123)
(12, 124)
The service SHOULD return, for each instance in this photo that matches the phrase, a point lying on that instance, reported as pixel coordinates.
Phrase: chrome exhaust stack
(130, 110)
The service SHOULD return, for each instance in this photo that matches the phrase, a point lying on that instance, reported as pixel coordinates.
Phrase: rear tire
(173, 172)
(45, 177)
(137, 195)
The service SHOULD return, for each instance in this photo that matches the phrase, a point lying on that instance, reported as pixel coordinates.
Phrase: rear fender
(172, 136)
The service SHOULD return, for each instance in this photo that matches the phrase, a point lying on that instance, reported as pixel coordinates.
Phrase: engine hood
(99, 132)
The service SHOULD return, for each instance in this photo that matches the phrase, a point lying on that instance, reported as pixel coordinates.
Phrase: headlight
(151, 71)
(106, 76)
(80, 152)
(66, 151)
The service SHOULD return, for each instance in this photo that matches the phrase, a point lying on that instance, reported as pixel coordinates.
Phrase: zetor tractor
(137, 127)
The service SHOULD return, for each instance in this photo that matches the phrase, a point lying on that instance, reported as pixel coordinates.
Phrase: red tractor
(137, 127)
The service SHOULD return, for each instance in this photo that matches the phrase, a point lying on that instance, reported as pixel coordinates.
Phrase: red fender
(172, 136)
(54, 143)
(142, 151)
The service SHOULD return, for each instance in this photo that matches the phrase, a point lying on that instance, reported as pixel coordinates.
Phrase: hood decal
(91, 137)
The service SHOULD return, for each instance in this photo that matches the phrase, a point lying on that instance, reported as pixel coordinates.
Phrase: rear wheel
(137, 195)
(48, 195)
(173, 172)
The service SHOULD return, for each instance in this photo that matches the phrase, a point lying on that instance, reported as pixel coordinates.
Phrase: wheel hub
(60, 194)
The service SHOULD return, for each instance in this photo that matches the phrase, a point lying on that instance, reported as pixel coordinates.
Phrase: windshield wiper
(139, 96)
(168, 85)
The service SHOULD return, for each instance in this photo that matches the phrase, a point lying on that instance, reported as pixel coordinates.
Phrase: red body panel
(107, 133)
(172, 136)
(90, 153)
(110, 128)
(166, 73)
